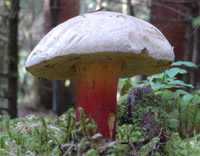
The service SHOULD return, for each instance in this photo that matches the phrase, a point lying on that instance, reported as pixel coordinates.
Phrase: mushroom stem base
(96, 94)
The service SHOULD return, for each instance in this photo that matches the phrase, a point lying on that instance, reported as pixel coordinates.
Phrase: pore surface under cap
(101, 37)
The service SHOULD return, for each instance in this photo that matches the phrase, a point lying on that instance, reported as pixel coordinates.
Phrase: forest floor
(25, 110)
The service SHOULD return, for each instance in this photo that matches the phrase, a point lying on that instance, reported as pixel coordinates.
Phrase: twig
(97, 10)
(173, 9)
(69, 149)
(161, 130)
(157, 145)
(170, 8)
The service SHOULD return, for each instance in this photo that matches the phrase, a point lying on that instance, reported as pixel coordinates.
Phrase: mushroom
(97, 48)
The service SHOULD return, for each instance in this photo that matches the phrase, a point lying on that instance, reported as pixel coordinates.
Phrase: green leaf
(186, 63)
(127, 85)
(150, 78)
(168, 94)
(181, 83)
(122, 80)
(181, 91)
(174, 71)
(187, 97)
(196, 22)
(156, 86)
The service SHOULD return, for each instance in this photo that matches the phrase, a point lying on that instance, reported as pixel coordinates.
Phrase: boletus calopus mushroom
(96, 49)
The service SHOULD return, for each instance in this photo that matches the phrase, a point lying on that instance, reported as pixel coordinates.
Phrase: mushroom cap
(101, 37)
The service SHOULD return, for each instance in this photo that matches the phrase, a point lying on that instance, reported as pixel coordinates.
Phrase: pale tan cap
(101, 37)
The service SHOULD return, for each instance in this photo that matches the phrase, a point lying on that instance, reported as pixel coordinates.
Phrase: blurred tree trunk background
(3, 57)
(56, 12)
(13, 58)
(174, 18)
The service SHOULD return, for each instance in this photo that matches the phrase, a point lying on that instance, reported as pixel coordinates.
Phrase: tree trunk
(3, 56)
(194, 56)
(56, 12)
(13, 58)
(166, 16)
(174, 19)
(191, 46)
(188, 41)
(57, 86)
(131, 8)
(57, 97)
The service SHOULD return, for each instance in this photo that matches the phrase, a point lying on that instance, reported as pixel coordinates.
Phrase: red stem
(96, 94)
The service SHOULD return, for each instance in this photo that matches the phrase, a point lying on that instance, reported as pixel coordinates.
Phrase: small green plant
(92, 152)
(68, 128)
(150, 148)
(188, 115)
(173, 107)
(176, 146)
(86, 126)
(168, 79)
(181, 106)
(126, 134)
(119, 150)
(30, 135)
